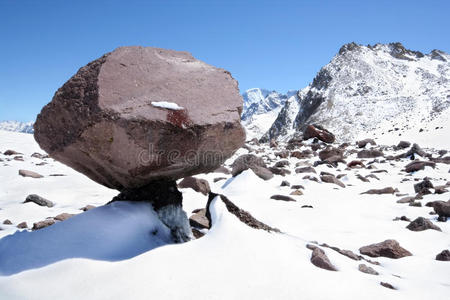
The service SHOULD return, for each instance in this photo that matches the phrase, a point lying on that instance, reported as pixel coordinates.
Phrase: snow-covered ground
(122, 251)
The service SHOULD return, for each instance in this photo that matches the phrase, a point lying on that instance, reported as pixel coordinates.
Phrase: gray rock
(27, 173)
(43, 224)
(370, 153)
(199, 219)
(332, 179)
(197, 184)
(366, 269)
(282, 198)
(443, 256)
(320, 259)
(38, 200)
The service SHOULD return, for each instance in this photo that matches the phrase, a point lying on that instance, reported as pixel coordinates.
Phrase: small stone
(387, 190)
(388, 248)
(366, 269)
(305, 170)
(285, 183)
(87, 207)
(22, 225)
(11, 152)
(443, 256)
(38, 200)
(7, 222)
(27, 173)
(320, 259)
(43, 224)
(282, 198)
(63, 216)
(332, 179)
(387, 285)
(197, 184)
(421, 224)
(296, 193)
(199, 220)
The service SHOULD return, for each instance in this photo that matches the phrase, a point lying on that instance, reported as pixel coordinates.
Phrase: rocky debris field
(356, 219)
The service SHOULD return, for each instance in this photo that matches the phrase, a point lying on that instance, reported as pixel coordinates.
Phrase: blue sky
(277, 45)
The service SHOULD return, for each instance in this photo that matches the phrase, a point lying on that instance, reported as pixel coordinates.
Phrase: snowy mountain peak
(17, 126)
(366, 90)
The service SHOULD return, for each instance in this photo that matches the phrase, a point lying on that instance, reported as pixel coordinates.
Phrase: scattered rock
(219, 179)
(306, 206)
(356, 163)
(199, 220)
(38, 155)
(422, 187)
(362, 178)
(366, 269)
(402, 218)
(285, 183)
(63, 217)
(43, 224)
(418, 165)
(388, 285)
(282, 198)
(388, 248)
(7, 222)
(305, 170)
(197, 233)
(197, 184)
(406, 200)
(118, 102)
(403, 145)
(421, 224)
(386, 190)
(317, 131)
(363, 143)
(332, 179)
(415, 204)
(281, 164)
(87, 207)
(312, 178)
(27, 173)
(297, 186)
(279, 171)
(320, 259)
(442, 208)
(11, 152)
(296, 193)
(253, 162)
(443, 256)
(370, 153)
(22, 225)
(38, 200)
(330, 152)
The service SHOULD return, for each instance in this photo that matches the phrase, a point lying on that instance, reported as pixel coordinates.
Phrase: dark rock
(43, 224)
(386, 190)
(282, 154)
(415, 204)
(27, 173)
(317, 131)
(11, 152)
(388, 248)
(297, 186)
(262, 172)
(443, 256)
(39, 155)
(7, 222)
(285, 183)
(422, 187)
(279, 171)
(22, 225)
(273, 143)
(366, 269)
(363, 143)
(421, 224)
(406, 200)
(387, 285)
(305, 170)
(312, 178)
(282, 198)
(403, 145)
(362, 178)
(402, 218)
(197, 184)
(442, 208)
(38, 200)
(418, 165)
(219, 179)
(197, 233)
(320, 259)
(329, 152)
(370, 153)
(117, 102)
(356, 163)
(306, 206)
(441, 189)
(18, 158)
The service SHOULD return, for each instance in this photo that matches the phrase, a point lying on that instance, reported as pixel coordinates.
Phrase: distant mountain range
(17, 126)
(363, 91)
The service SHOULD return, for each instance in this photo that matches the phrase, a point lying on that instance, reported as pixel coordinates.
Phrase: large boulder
(388, 248)
(140, 114)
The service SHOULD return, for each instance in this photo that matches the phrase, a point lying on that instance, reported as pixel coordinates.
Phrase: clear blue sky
(277, 45)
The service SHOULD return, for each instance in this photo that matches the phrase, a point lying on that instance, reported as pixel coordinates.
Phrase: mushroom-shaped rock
(140, 114)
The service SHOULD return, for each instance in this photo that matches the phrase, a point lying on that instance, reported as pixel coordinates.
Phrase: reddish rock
(363, 143)
(388, 248)
(320, 259)
(199, 219)
(63, 216)
(317, 131)
(141, 114)
(43, 224)
(372, 153)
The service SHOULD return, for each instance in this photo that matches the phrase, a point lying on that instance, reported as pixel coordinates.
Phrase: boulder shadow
(118, 231)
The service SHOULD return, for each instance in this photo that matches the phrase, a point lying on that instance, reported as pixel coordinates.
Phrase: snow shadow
(112, 232)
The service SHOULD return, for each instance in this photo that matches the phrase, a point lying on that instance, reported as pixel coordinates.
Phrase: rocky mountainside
(261, 107)
(17, 126)
(376, 90)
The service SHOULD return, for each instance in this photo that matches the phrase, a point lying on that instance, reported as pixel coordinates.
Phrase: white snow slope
(232, 261)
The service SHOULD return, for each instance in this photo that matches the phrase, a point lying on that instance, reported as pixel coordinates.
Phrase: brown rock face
(138, 114)
(317, 131)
